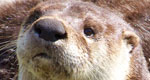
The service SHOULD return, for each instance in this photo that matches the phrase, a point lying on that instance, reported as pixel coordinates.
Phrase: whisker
(7, 51)
(5, 37)
(8, 45)
(12, 55)
(5, 42)
(16, 61)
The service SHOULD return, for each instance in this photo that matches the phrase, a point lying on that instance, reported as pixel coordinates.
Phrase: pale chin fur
(116, 67)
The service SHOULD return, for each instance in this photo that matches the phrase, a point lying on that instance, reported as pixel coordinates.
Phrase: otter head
(74, 40)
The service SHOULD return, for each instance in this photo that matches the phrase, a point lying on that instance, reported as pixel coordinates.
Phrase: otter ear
(131, 38)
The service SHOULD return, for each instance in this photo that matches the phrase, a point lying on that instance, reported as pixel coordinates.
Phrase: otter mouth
(42, 55)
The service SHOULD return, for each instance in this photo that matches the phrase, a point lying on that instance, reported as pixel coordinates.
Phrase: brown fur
(135, 13)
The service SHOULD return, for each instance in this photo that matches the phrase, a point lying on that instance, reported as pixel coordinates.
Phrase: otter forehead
(77, 14)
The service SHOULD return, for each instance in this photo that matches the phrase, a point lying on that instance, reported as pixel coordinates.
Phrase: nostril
(61, 36)
(37, 30)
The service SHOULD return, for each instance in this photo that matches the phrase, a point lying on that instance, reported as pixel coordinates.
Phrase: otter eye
(89, 32)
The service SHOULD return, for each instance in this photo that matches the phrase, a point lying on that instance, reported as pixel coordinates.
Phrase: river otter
(78, 40)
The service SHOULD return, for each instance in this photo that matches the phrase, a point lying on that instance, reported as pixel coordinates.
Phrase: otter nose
(49, 30)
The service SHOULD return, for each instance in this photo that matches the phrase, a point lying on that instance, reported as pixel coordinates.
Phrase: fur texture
(117, 50)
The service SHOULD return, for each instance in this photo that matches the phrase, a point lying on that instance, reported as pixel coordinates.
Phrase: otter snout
(49, 29)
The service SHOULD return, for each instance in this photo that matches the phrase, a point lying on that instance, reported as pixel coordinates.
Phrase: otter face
(73, 40)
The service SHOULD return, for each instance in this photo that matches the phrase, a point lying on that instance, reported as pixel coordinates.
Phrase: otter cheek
(25, 47)
(21, 50)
